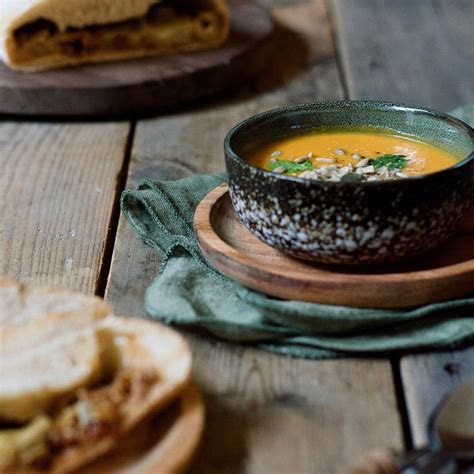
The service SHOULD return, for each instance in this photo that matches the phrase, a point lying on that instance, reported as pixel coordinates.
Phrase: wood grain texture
(418, 52)
(271, 414)
(58, 185)
(442, 274)
(266, 413)
(427, 379)
(143, 85)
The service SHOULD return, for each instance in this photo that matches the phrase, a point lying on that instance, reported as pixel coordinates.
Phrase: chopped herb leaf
(291, 166)
(392, 162)
(352, 177)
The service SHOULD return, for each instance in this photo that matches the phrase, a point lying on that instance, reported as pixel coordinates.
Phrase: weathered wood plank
(57, 190)
(270, 414)
(427, 379)
(266, 413)
(418, 52)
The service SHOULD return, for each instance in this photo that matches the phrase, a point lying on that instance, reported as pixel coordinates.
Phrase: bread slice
(144, 349)
(82, 375)
(32, 381)
(20, 304)
(48, 347)
(44, 34)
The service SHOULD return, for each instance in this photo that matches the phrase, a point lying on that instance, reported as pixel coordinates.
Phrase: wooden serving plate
(143, 85)
(444, 273)
(164, 444)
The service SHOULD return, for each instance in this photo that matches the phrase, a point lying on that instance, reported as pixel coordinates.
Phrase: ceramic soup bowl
(351, 222)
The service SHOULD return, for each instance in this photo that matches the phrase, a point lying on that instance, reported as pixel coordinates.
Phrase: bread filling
(170, 25)
(95, 413)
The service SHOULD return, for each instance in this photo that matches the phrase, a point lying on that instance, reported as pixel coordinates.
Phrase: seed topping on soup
(352, 156)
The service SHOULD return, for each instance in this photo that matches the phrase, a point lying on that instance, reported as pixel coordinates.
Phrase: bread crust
(20, 304)
(38, 324)
(83, 13)
(72, 342)
(64, 13)
(152, 347)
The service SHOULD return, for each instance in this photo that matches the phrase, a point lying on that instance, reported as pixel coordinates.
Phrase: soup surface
(342, 155)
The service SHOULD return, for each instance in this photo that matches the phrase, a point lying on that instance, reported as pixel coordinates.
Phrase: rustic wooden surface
(428, 63)
(58, 188)
(59, 224)
(418, 52)
(427, 379)
(446, 273)
(143, 85)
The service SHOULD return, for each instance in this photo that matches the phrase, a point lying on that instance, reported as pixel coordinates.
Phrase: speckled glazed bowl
(347, 222)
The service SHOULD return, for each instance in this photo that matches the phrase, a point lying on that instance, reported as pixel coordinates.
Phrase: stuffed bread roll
(44, 34)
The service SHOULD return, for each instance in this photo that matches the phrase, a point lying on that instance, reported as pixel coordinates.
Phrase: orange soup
(343, 155)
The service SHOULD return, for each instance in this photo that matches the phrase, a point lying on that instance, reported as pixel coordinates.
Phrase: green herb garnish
(352, 178)
(392, 162)
(291, 166)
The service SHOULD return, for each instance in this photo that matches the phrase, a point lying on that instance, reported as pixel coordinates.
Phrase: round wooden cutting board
(447, 272)
(143, 85)
(164, 444)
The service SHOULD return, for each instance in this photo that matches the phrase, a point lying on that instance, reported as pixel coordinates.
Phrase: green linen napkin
(189, 292)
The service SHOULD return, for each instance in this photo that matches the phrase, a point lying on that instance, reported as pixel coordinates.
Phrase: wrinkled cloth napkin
(189, 292)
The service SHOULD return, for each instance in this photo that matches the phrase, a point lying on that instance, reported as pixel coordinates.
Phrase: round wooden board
(166, 443)
(445, 273)
(143, 85)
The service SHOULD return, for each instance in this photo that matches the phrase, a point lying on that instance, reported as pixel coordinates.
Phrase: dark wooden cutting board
(143, 85)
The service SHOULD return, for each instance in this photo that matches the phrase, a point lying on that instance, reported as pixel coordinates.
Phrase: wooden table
(60, 224)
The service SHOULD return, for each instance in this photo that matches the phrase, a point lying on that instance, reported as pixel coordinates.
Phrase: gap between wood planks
(401, 402)
(105, 266)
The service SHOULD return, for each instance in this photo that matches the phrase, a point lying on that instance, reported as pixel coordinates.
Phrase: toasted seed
(356, 156)
(362, 163)
(401, 175)
(273, 160)
(276, 154)
(339, 151)
(325, 160)
(301, 159)
(325, 169)
(343, 171)
(280, 169)
(310, 155)
(308, 175)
